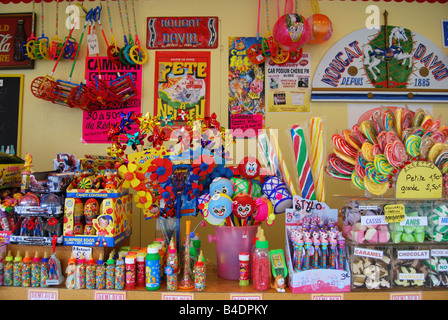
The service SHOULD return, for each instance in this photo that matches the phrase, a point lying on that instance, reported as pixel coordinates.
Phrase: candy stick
(317, 157)
(281, 164)
(302, 162)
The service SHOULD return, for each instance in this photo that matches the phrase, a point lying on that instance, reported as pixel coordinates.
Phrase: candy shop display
(375, 150)
(410, 267)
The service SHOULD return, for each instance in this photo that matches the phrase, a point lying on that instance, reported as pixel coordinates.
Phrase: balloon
(321, 28)
(291, 32)
(249, 168)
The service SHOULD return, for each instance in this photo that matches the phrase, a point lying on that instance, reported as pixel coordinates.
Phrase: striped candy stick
(281, 163)
(317, 157)
(302, 162)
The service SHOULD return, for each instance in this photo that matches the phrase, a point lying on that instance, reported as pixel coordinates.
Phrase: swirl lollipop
(381, 164)
(413, 143)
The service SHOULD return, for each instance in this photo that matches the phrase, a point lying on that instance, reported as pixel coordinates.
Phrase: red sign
(182, 33)
(15, 29)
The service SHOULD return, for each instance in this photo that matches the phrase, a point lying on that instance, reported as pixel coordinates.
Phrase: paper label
(414, 222)
(373, 220)
(363, 252)
(411, 276)
(413, 254)
(92, 43)
(394, 213)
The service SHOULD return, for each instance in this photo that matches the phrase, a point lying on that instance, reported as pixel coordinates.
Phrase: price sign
(419, 180)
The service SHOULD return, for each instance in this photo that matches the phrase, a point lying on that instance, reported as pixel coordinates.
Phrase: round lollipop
(243, 207)
(249, 168)
(220, 207)
(221, 185)
(321, 28)
(263, 210)
(291, 31)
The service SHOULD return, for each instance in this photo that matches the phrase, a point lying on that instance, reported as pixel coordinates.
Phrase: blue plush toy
(221, 185)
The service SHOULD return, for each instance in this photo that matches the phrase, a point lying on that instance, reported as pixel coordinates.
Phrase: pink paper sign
(96, 123)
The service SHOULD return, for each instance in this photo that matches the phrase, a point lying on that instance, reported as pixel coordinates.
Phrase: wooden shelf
(217, 289)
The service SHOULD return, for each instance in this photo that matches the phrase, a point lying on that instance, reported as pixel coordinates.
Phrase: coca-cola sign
(15, 29)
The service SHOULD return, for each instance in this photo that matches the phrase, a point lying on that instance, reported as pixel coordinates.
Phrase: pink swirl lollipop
(391, 136)
(340, 165)
(343, 145)
(395, 153)
(376, 150)
(435, 125)
(358, 134)
(438, 136)
(407, 121)
(332, 173)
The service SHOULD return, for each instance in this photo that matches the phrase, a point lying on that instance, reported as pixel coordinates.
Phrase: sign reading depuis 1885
(389, 63)
(182, 33)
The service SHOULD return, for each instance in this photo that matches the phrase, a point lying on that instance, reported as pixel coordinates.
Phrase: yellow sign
(419, 180)
(394, 213)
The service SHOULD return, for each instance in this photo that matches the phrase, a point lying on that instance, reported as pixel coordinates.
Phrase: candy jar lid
(29, 199)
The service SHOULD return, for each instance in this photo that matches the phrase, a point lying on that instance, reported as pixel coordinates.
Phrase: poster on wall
(182, 86)
(96, 123)
(288, 85)
(182, 33)
(246, 89)
(15, 29)
(389, 64)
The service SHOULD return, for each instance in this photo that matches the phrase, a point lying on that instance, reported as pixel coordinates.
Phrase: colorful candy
(317, 157)
(413, 143)
(367, 151)
(8, 270)
(382, 166)
(35, 271)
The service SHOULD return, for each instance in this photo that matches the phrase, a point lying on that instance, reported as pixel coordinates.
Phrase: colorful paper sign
(419, 180)
(406, 296)
(246, 89)
(288, 85)
(182, 33)
(42, 294)
(109, 295)
(358, 66)
(182, 87)
(96, 123)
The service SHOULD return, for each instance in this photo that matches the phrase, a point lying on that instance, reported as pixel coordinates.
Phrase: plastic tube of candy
(35, 271)
(91, 274)
(71, 273)
(110, 273)
(9, 262)
(120, 273)
(130, 271)
(17, 270)
(100, 273)
(199, 274)
(44, 271)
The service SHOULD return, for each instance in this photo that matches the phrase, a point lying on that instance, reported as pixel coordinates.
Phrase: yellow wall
(49, 129)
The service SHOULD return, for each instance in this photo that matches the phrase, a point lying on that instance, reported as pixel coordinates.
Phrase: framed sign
(182, 33)
(11, 100)
(15, 29)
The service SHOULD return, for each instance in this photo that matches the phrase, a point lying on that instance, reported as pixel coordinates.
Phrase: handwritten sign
(394, 213)
(419, 179)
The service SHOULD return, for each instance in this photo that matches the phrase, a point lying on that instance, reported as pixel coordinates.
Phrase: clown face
(243, 205)
(220, 206)
(221, 186)
(249, 168)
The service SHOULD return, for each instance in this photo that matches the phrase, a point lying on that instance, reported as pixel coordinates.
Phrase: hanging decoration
(320, 25)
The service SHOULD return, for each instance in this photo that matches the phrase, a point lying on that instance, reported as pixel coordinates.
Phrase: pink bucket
(230, 241)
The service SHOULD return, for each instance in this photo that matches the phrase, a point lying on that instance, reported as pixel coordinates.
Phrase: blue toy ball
(221, 186)
(220, 206)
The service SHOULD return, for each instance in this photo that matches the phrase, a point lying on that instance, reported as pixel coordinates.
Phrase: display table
(218, 289)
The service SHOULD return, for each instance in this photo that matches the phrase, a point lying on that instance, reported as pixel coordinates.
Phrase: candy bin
(364, 222)
(439, 220)
(416, 227)
(438, 272)
(371, 267)
(411, 265)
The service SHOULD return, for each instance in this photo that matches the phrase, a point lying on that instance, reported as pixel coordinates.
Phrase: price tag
(109, 295)
(177, 296)
(246, 296)
(327, 296)
(406, 296)
(42, 294)
(92, 43)
(394, 213)
(419, 180)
